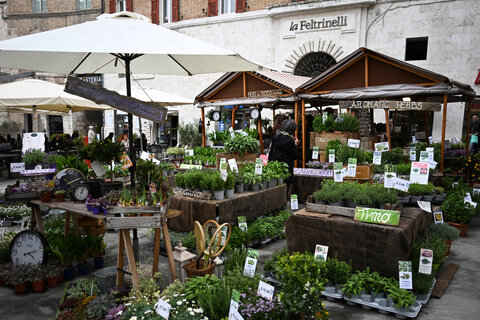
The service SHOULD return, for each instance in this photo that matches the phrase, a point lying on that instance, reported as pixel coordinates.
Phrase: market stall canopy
(366, 74)
(165, 99)
(22, 96)
(266, 88)
(91, 47)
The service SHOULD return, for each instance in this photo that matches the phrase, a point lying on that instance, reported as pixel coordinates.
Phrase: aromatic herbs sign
(378, 216)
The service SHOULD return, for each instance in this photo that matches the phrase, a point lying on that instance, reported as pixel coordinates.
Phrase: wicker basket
(192, 271)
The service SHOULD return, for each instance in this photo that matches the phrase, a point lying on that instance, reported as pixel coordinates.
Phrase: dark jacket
(475, 127)
(283, 149)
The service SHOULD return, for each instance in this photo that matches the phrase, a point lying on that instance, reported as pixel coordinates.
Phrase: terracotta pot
(21, 288)
(60, 276)
(52, 282)
(38, 286)
(46, 197)
(449, 244)
(192, 271)
(59, 197)
(462, 227)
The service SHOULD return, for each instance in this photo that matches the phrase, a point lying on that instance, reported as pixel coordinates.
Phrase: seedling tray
(412, 311)
(425, 301)
(331, 293)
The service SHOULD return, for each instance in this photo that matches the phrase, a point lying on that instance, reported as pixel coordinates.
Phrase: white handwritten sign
(353, 143)
(265, 290)
(17, 166)
(162, 308)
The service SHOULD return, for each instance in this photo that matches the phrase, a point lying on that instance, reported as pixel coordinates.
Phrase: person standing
(284, 148)
(91, 134)
(474, 132)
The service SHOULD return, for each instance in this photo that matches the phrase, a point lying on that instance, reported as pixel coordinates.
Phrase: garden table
(76, 210)
(249, 204)
(378, 246)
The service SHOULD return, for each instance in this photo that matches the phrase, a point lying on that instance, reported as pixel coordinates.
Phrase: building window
(416, 48)
(166, 11)
(39, 6)
(313, 64)
(226, 6)
(84, 4)
(121, 5)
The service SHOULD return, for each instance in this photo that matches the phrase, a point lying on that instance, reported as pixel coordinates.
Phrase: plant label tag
(413, 154)
(189, 152)
(353, 143)
(430, 139)
(265, 290)
(223, 168)
(475, 191)
(234, 303)
(468, 197)
(377, 157)
(423, 156)
(98, 168)
(331, 155)
(405, 274)
(425, 206)
(162, 308)
(419, 172)
(473, 204)
(338, 172)
(454, 140)
(432, 164)
(431, 152)
(382, 146)
(242, 223)
(250, 262)
(352, 167)
(321, 252)
(438, 216)
(233, 165)
(294, 202)
(259, 166)
(426, 261)
(125, 161)
(232, 132)
(414, 139)
(401, 184)
(264, 157)
(234, 314)
(144, 156)
(315, 153)
(324, 116)
(17, 166)
(389, 175)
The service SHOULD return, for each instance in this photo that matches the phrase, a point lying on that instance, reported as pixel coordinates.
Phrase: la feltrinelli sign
(318, 24)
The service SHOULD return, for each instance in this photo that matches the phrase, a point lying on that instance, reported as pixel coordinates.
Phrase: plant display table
(78, 210)
(305, 184)
(377, 246)
(248, 204)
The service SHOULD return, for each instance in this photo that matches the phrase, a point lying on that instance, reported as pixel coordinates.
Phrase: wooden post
(156, 249)
(204, 141)
(387, 120)
(444, 126)
(469, 116)
(426, 128)
(296, 131)
(259, 128)
(273, 114)
(303, 133)
(120, 258)
(38, 218)
(132, 266)
(168, 248)
(233, 117)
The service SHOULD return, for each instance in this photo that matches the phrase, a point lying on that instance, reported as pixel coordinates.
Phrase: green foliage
(206, 182)
(33, 157)
(82, 287)
(242, 144)
(330, 124)
(395, 156)
(175, 151)
(235, 259)
(318, 125)
(402, 298)
(344, 152)
(332, 144)
(235, 279)
(269, 265)
(337, 271)
(5, 241)
(71, 161)
(217, 182)
(146, 172)
(455, 209)
(215, 301)
(350, 123)
(98, 307)
(219, 137)
(417, 189)
(301, 277)
(180, 180)
(196, 287)
(230, 183)
(443, 231)
(189, 134)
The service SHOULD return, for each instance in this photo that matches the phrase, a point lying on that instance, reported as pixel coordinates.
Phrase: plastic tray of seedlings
(423, 298)
(332, 293)
(385, 306)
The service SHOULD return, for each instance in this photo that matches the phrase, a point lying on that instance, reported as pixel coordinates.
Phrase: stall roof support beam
(204, 140)
(444, 126)
(303, 133)
(387, 121)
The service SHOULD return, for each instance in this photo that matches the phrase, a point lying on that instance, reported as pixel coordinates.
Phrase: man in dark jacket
(284, 148)
(474, 131)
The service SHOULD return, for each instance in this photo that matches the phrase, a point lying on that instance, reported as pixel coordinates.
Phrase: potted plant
(107, 152)
(338, 272)
(439, 195)
(51, 273)
(17, 277)
(81, 254)
(253, 180)
(404, 197)
(180, 180)
(416, 191)
(402, 299)
(49, 160)
(37, 277)
(242, 144)
(445, 232)
(206, 184)
(33, 157)
(59, 195)
(230, 185)
(64, 249)
(458, 212)
(44, 188)
(218, 186)
(239, 184)
(98, 251)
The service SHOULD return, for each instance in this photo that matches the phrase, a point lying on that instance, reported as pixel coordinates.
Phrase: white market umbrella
(163, 98)
(102, 45)
(26, 94)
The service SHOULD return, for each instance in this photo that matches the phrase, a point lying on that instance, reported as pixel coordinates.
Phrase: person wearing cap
(91, 134)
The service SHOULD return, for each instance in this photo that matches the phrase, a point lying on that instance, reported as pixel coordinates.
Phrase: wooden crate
(321, 139)
(251, 157)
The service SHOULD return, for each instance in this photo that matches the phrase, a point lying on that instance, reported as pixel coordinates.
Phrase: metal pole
(387, 121)
(444, 126)
(204, 140)
(469, 115)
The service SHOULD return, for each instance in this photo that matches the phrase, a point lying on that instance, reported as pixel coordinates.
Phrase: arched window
(313, 64)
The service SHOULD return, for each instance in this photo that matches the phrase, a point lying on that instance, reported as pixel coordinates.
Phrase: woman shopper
(284, 148)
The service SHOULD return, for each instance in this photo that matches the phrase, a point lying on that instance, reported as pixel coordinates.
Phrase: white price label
(233, 164)
(353, 143)
(162, 308)
(265, 290)
(294, 202)
(17, 166)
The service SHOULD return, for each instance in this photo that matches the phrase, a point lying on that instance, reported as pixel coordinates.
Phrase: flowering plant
(22, 187)
(319, 165)
(115, 313)
(14, 212)
(184, 309)
(255, 307)
(42, 186)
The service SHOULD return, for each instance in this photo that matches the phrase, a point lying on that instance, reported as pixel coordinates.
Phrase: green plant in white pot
(218, 186)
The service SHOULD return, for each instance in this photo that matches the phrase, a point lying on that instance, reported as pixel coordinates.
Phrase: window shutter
(155, 11)
(212, 8)
(175, 11)
(129, 5)
(113, 6)
(240, 6)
